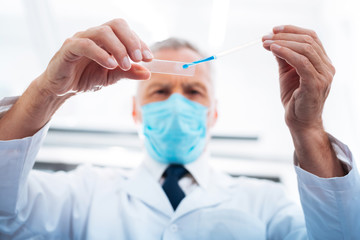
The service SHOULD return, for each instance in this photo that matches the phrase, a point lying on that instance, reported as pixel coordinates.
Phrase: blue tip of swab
(185, 66)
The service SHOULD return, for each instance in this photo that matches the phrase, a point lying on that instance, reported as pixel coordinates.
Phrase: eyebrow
(184, 85)
(195, 84)
(158, 85)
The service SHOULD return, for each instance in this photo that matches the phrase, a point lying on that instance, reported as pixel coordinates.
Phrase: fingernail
(275, 46)
(126, 63)
(112, 62)
(279, 28)
(268, 37)
(147, 54)
(268, 42)
(137, 55)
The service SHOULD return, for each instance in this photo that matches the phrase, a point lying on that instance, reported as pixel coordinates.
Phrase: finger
(136, 72)
(299, 30)
(283, 65)
(75, 48)
(128, 39)
(301, 63)
(146, 52)
(106, 38)
(301, 39)
(306, 50)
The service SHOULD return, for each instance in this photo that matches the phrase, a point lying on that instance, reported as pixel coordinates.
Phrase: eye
(194, 92)
(160, 91)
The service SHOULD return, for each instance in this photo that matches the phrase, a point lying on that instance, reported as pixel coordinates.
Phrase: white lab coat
(98, 203)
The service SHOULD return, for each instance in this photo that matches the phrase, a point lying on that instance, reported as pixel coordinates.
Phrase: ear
(136, 114)
(214, 116)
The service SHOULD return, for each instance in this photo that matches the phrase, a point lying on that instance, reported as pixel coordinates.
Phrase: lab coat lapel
(202, 198)
(144, 187)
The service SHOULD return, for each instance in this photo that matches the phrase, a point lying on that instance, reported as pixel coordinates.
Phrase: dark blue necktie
(171, 186)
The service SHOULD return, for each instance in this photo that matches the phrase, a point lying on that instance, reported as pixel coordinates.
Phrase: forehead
(202, 71)
(181, 54)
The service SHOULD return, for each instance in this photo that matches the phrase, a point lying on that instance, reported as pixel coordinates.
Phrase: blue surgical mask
(174, 129)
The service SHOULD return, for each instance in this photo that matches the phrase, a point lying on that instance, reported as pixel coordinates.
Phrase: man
(174, 194)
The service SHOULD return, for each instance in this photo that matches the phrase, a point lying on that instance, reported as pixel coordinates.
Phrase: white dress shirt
(107, 203)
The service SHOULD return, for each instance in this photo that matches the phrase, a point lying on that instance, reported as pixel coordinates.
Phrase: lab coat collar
(199, 169)
(144, 186)
(202, 198)
(155, 168)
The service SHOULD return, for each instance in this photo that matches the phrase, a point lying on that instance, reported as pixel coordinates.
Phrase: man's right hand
(86, 62)
(95, 58)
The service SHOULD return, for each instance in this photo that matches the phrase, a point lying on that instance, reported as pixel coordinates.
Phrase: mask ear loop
(140, 131)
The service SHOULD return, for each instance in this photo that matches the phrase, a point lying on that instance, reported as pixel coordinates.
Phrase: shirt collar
(199, 169)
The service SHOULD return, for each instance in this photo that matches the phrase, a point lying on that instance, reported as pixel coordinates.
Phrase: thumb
(136, 72)
(283, 65)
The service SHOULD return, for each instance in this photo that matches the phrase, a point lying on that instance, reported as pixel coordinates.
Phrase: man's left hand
(305, 77)
(305, 72)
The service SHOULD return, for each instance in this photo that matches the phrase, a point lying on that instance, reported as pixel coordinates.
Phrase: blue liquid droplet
(185, 66)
